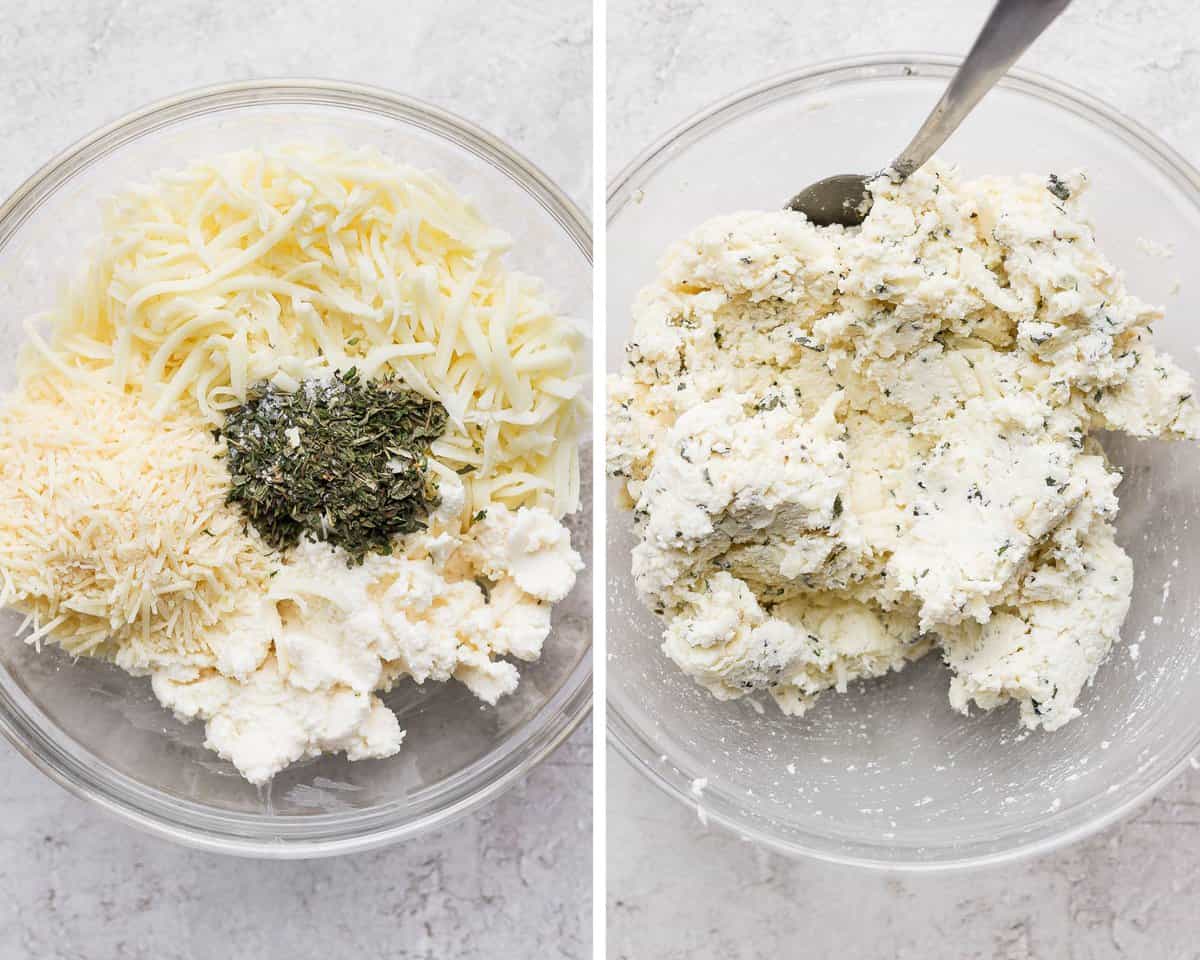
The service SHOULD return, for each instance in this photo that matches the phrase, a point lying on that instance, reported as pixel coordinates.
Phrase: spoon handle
(1011, 28)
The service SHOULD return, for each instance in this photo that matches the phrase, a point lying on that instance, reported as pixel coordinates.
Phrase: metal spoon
(1011, 28)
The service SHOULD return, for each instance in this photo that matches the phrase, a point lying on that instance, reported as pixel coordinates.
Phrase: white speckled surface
(76, 885)
(678, 890)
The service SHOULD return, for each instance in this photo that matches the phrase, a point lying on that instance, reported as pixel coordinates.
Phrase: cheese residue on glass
(286, 267)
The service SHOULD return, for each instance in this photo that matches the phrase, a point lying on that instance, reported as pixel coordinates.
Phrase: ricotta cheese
(845, 448)
(297, 673)
(529, 546)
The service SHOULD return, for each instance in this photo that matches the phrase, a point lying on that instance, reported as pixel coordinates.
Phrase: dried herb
(343, 460)
(1058, 188)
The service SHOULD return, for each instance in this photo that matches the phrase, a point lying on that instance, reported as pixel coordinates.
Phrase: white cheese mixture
(296, 674)
(844, 448)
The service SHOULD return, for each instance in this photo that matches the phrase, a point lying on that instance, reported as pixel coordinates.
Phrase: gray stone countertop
(677, 890)
(77, 885)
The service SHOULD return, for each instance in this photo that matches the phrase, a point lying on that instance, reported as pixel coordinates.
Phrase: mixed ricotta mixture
(846, 448)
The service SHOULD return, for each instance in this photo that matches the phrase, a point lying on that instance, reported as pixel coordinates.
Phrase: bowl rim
(622, 735)
(567, 707)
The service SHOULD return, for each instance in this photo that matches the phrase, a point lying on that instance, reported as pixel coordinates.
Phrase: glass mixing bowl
(888, 775)
(101, 733)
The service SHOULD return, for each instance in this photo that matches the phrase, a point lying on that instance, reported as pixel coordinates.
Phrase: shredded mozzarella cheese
(289, 263)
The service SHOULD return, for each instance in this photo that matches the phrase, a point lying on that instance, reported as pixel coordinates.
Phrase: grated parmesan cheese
(289, 263)
(115, 540)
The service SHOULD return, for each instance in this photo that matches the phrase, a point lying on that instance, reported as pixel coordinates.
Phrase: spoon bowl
(1012, 26)
(843, 199)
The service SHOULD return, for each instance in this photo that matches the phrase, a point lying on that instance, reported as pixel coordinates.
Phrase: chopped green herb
(1058, 188)
(358, 480)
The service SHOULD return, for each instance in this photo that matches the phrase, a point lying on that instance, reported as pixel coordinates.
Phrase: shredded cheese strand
(293, 262)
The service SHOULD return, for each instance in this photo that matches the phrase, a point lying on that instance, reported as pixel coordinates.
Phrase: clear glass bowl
(888, 775)
(100, 732)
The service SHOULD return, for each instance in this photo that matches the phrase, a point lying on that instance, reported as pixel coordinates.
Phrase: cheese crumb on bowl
(296, 434)
(845, 449)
